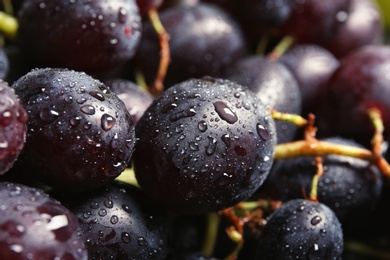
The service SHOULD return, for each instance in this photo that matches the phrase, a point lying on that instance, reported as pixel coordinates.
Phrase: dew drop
(126, 237)
(226, 139)
(68, 99)
(122, 15)
(212, 145)
(102, 212)
(75, 121)
(182, 114)
(142, 241)
(263, 132)
(48, 115)
(99, 96)
(107, 122)
(225, 112)
(108, 203)
(88, 109)
(114, 219)
(315, 220)
(202, 126)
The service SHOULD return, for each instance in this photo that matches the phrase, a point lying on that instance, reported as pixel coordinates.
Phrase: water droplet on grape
(263, 132)
(225, 112)
(212, 145)
(122, 15)
(182, 114)
(88, 109)
(99, 96)
(126, 237)
(114, 219)
(107, 122)
(48, 115)
(202, 126)
(75, 121)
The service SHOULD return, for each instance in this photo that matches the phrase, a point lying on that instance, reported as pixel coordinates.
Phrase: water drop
(225, 112)
(108, 203)
(226, 139)
(99, 96)
(202, 126)
(68, 99)
(48, 115)
(212, 145)
(114, 219)
(315, 220)
(182, 114)
(126, 237)
(75, 121)
(122, 15)
(102, 212)
(88, 109)
(263, 132)
(107, 122)
(142, 241)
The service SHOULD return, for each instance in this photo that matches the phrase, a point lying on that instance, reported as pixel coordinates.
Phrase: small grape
(301, 229)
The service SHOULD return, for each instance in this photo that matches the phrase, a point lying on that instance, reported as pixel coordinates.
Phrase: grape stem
(165, 57)
(281, 48)
(315, 147)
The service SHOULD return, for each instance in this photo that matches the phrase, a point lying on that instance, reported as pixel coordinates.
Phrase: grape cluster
(194, 129)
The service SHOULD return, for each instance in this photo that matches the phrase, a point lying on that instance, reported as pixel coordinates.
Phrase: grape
(13, 127)
(120, 222)
(362, 27)
(351, 187)
(204, 144)
(312, 66)
(81, 35)
(80, 134)
(33, 225)
(204, 41)
(313, 21)
(136, 99)
(357, 85)
(301, 229)
(274, 85)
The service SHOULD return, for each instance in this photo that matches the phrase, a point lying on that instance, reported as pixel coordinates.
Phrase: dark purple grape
(363, 26)
(120, 222)
(312, 66)
(80, 134)
(33, 225)
(351, 187)
(136, 99)
(274, 85)
(301, 229)
(81, 35)
(204, 145)
(358, 84)
(13, 127)
(204, 41)
(313, 21)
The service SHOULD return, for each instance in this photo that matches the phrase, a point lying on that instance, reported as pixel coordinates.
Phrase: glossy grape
(81, 35)
(80, 134)
(35, 226)
(301, 229)
(120, 222)
(204, 144)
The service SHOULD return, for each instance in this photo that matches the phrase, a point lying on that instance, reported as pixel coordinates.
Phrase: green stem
(211, 234)
(8, 25)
